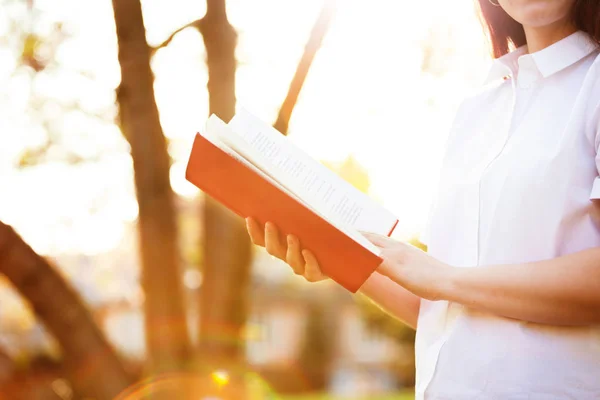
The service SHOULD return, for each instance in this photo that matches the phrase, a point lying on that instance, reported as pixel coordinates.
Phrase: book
(255, 171)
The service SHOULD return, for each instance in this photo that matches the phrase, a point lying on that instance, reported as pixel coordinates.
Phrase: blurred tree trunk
(6, 368)
(319, 342)
(226, 247)
(93, 367)
(318, 32)
(166, 327)
(227, 252)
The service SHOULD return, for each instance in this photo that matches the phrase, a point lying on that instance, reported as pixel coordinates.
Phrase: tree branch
(93, 365)
(313, 44)
(193, 24)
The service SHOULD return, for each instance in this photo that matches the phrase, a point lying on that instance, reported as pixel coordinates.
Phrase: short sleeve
(595, 195)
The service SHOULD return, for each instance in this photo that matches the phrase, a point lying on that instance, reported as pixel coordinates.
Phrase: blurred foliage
(36, 46)
(438, 47)
(38, 52)
(36, 40)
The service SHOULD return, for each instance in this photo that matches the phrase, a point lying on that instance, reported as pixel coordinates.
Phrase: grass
(399, 396)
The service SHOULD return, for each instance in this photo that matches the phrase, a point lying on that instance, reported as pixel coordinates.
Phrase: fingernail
(290, 240)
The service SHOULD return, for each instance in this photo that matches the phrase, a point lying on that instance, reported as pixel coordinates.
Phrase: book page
(327, 192)
(219, 134)
(213, 134)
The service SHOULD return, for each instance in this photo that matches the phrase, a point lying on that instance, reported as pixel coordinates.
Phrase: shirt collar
(548, 61)
(505, 65)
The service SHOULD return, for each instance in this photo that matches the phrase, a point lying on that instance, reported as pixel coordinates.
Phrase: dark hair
(504, 31)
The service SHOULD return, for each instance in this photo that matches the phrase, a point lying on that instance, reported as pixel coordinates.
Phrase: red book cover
(248, 194)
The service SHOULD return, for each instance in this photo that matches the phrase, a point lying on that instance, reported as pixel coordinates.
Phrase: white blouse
(520, 170)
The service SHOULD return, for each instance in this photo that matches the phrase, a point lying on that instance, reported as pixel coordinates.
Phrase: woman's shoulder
(596, 61)
(592, 78)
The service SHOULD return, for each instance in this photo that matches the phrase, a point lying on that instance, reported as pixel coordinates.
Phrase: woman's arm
(560, 291)
(388, 295)
(392, 298)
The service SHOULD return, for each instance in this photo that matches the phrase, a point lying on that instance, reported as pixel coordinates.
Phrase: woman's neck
(538, 38)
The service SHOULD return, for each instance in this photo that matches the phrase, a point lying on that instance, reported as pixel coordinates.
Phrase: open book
(256, 172)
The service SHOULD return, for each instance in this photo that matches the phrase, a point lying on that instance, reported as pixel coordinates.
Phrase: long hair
(503, 31)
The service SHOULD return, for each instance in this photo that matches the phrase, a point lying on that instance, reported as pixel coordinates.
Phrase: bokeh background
(117, 273)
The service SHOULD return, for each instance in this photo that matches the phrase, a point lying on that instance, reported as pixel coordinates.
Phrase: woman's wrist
(448, 283)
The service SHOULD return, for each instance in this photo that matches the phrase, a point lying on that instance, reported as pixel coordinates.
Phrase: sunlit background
(380, 96)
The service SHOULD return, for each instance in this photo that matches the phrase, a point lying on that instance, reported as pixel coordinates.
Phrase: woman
(506, 302)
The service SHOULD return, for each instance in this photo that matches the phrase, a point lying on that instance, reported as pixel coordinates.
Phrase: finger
(378, 240)
(312, 271)
(273, 243)
(257, 234)
(294, 255)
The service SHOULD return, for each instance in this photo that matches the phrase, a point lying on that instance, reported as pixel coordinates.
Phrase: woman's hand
(412, 268)
(302, 261)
